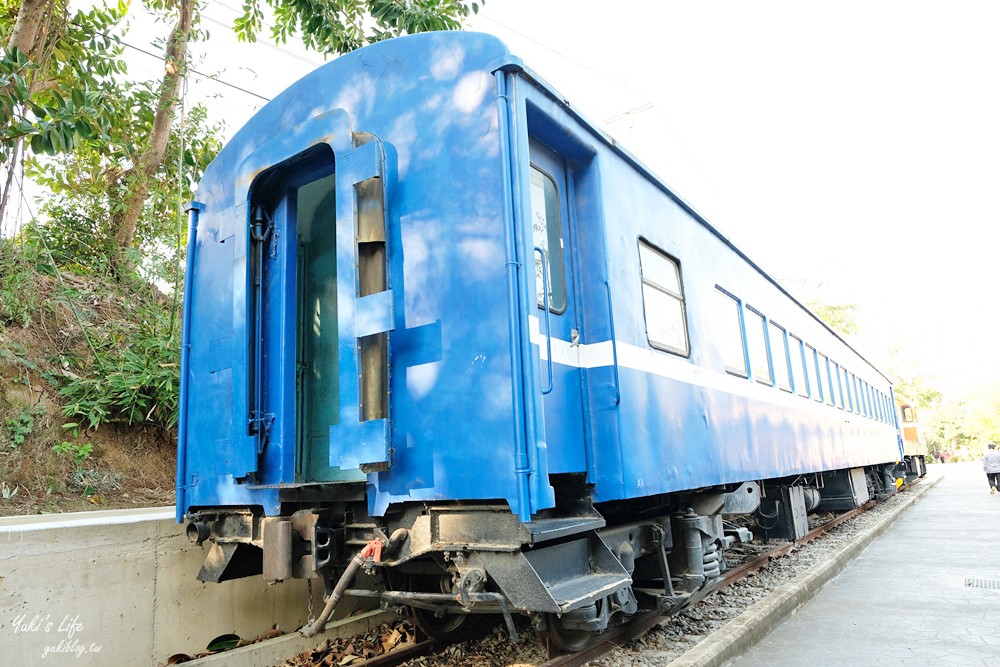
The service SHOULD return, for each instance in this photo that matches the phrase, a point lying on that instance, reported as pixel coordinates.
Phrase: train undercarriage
(575, 570)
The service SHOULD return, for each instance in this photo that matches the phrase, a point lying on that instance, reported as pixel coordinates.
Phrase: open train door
(319, 306)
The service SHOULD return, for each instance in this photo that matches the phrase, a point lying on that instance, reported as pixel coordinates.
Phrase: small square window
(727, 330)
(779, 355)
(757, 346)
(799, 377)
(812, 365)
(663, 300)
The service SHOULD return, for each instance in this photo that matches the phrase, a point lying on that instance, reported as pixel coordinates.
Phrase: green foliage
(339, 26)
(58, 102)
(837, 316)
(135, 378)
(909, 381)
(22, 425)
(968, 421)
(120, 365)
(18, 296)
(90, 187)
(79, 452)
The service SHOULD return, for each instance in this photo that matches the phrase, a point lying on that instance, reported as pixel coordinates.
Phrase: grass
(86, 351)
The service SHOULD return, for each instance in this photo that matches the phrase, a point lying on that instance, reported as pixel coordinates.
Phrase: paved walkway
(927, 592)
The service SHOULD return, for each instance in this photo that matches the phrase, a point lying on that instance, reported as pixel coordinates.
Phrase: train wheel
(563, 639)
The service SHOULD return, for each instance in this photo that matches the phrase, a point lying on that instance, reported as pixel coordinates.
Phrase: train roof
(500, 57)
(515, 63)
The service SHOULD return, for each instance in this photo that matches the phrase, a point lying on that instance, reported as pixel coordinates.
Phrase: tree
(30, 22)
(78, 59)
(969, 421)
(910, 383)
(151, 158)
(339, 26)
(331, 26)
(52, 74)
(90, 186)
(837, 316)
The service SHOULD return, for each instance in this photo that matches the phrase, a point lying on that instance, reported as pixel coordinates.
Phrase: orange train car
(912, 437)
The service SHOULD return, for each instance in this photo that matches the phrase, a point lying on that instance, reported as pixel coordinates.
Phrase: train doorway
(557, 311)
(317, 395)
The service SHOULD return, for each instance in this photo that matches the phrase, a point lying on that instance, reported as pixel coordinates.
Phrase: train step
(557, 578)
(544, 530)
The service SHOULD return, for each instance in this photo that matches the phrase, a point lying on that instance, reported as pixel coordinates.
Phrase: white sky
(853, 145)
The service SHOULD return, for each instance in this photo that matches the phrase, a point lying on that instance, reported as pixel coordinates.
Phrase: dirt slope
(44, 465)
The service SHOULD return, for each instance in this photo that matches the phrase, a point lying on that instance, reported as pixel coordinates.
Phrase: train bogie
(436, 318)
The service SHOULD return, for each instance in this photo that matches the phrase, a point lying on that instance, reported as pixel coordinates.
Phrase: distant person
(991, 464)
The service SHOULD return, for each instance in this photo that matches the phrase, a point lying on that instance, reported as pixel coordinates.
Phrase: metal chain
(309, 591)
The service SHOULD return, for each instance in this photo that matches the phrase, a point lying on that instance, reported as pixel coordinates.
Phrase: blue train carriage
(434, 314)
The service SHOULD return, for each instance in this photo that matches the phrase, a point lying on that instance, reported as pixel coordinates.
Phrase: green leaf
(83, 128)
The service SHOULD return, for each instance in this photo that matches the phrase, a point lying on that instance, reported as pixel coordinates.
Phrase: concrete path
(927, 592)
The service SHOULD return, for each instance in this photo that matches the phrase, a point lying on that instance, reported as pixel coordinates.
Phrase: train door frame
(559, 324)
(538, 116)
(359, 442)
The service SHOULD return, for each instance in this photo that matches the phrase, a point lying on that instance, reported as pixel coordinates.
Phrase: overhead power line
(274, 47)
(194, 71)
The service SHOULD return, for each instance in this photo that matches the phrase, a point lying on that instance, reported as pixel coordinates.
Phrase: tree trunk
(152, 158)
(24, 37)
(29, 19)
(15, 154)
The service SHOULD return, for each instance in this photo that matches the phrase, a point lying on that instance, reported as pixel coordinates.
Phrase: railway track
(641, 624)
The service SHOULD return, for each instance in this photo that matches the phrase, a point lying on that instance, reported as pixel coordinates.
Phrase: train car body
(426, 298)
(912, 438)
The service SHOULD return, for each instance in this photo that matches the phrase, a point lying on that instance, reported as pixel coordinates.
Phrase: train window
(727, 323)
(663, 300)
(838, 387)
(812, 363)
(908, 414)
(846, 379)
(824, 372)
(779, 355)
(546, 228)
(859, 394)
(796, 352)
(757, 346)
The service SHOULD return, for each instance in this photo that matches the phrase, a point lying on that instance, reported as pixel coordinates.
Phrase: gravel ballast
(722, 626)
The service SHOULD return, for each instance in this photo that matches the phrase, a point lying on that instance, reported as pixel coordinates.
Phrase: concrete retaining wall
(118, 588)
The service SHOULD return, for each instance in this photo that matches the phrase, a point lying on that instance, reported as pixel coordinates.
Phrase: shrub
(136, 376)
